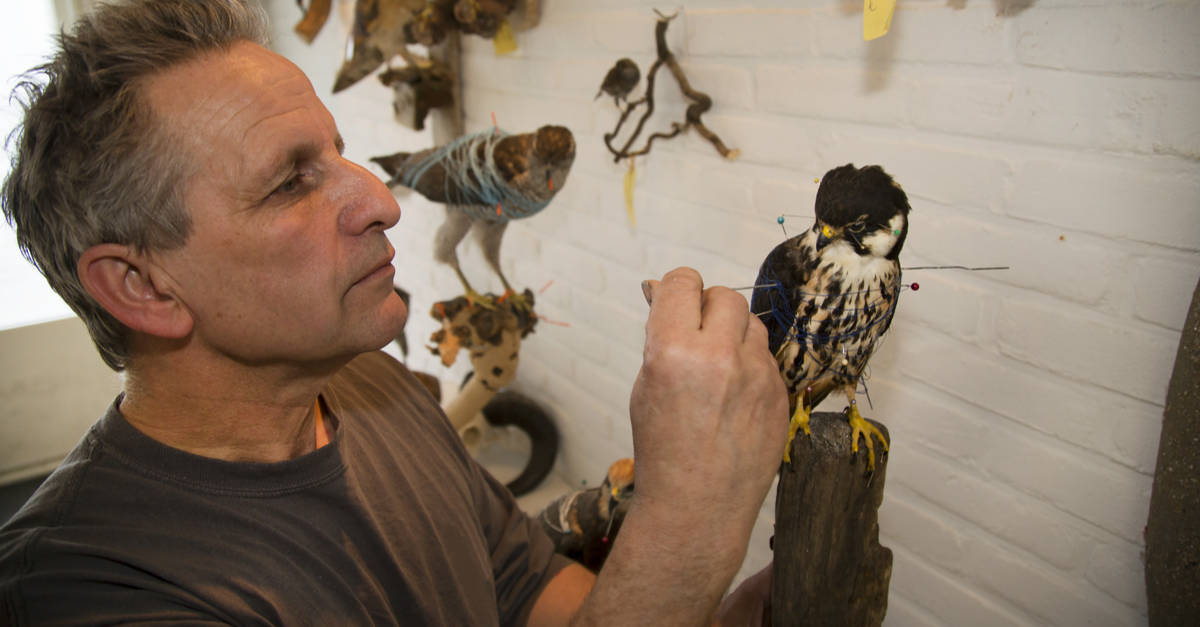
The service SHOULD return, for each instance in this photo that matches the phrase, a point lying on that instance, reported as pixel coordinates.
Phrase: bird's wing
(785, 266)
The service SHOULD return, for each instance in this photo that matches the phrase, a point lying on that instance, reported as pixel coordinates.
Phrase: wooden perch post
(829, 566)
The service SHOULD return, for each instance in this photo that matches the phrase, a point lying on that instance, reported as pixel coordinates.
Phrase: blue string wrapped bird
(485, 179)
(828, 294)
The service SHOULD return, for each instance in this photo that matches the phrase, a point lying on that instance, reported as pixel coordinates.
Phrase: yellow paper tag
(630, 177)
(877, 18)
(504, 42)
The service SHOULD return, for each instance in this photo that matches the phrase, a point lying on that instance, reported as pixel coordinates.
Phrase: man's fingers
(648, 287)
(757, 337)
(675, 301)
(725, 312)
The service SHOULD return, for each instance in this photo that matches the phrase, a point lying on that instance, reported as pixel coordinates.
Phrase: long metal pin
(973, 269)
(751, 287)
(867, 393)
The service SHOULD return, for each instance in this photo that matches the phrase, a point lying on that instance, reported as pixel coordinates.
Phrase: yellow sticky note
(877, 18)
(630, 177)
(504, 42)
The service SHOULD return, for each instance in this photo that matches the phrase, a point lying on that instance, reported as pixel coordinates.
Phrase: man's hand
(709, 415)
(750, 603)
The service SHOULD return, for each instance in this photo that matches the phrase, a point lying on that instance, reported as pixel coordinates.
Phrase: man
(183, 188)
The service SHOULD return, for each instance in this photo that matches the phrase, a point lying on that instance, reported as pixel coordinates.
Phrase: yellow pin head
(826, 231)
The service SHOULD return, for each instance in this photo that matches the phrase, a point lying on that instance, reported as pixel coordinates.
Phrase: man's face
(287, 261)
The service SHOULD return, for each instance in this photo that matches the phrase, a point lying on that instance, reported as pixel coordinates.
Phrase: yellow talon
(475, 298)
(860, 427)
(518, 300)
(799, 421)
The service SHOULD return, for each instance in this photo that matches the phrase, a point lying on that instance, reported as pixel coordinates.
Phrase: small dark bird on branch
(828, 294)
(620, 80)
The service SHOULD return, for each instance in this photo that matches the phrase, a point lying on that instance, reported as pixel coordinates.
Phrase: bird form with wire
(584, 524)
(485, 180)
(828, 295)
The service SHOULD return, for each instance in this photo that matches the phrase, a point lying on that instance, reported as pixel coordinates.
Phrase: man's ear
(122, 281)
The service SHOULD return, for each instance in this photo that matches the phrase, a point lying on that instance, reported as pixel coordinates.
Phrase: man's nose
(368, 203)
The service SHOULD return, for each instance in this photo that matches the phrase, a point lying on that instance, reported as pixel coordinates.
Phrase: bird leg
(445, 243)
(860, 427)
(799, 421)
(489, 235)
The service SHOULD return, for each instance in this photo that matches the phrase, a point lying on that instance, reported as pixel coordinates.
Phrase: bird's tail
(392, 164)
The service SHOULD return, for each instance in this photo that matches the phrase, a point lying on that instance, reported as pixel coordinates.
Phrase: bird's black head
(865, 207)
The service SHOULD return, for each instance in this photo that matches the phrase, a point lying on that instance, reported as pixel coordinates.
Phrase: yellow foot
(860, 427)
(799, 421)
(517, 299)
(475, 298)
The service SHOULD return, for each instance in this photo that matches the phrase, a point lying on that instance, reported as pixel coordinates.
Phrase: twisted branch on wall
(701, 103)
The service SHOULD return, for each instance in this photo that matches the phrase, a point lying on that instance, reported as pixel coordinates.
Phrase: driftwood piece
(701, 103)
(418, 89)
(829, 566)
(1173, 528)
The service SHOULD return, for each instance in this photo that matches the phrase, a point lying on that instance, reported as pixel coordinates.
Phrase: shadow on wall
(881, 52)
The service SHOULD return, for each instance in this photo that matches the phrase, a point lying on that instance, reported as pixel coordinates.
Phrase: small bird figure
(620, 80)
(828, 294)
(485, 179)
(583, 524)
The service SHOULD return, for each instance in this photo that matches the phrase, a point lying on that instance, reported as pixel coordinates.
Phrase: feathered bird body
(485, 179)
(478, 172)
(620, 80)
(827, 295)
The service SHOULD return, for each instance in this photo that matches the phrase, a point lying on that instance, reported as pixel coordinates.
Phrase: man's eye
(293, 184)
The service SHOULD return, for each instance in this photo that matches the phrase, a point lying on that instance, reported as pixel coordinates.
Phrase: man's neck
(226, 410)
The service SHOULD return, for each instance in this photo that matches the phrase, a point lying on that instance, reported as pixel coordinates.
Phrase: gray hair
(91, 165)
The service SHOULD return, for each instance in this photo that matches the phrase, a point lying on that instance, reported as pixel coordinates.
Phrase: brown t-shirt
(392, 523)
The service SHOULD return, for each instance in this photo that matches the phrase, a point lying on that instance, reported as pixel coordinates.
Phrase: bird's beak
(824, 236)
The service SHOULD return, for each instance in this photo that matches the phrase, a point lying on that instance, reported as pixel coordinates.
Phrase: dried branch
(701, 103)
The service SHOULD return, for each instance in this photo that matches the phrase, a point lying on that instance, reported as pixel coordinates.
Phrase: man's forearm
(667, 568)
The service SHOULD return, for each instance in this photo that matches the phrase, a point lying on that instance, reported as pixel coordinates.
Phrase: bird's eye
(628, 488)
(826, 231)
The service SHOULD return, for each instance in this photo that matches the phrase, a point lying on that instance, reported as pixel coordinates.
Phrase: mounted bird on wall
(621, 78)
(827, 295)
(485, 179)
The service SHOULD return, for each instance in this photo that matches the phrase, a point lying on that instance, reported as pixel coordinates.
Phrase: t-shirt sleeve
(523, 557)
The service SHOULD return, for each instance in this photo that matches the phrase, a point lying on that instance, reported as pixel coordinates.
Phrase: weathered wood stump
(1173, 529)
(830, 569)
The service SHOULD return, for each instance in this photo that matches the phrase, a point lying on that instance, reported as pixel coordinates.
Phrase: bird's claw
(799, 421)
(517, 299)
(860, 427)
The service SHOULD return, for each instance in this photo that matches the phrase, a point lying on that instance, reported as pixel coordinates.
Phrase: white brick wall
(1025, 405)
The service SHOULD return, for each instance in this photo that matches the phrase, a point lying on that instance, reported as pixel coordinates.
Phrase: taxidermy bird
(485, 179)
(827, 295)
(584, 523)
(620, 80)
(377, 36)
